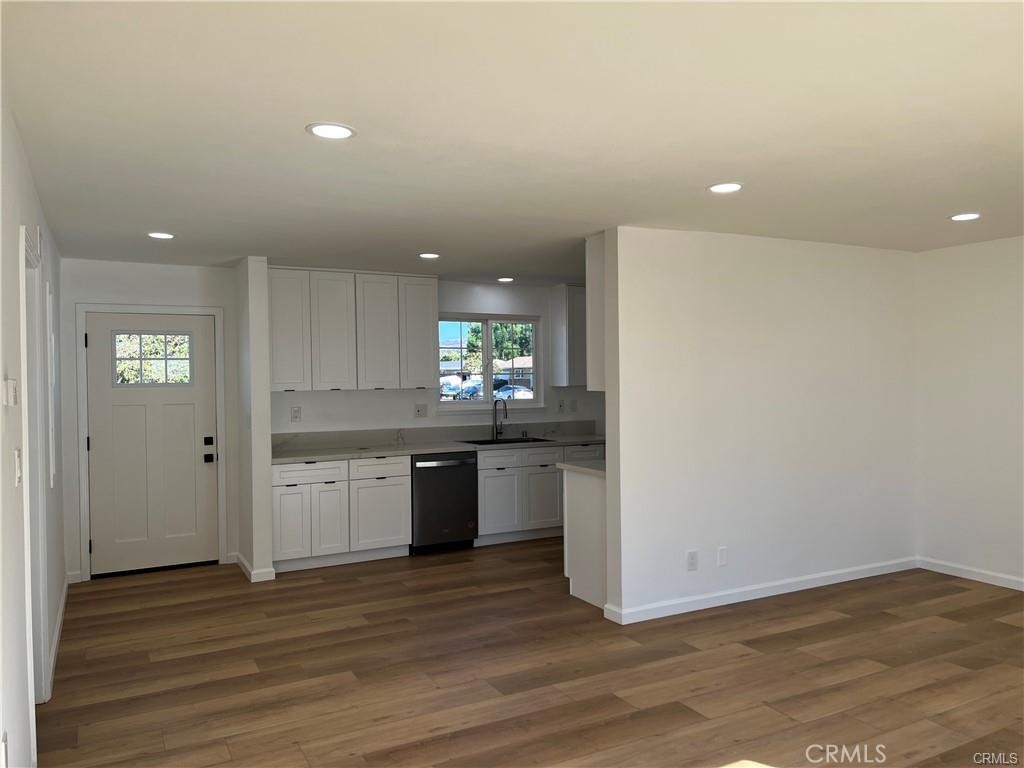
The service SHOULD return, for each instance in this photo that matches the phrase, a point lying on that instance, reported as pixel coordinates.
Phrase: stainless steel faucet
(495, 429)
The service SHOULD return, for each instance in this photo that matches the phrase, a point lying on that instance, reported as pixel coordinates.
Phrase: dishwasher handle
(446, 463)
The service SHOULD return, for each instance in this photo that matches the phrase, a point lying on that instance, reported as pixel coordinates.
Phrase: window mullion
(488, 358)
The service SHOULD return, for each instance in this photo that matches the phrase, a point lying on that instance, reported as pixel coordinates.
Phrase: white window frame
(539, 385)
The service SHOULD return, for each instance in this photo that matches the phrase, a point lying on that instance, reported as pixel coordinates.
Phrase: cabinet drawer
(499, 459)
(584, 452)
(314, 472)
(381, 466)
(535, 457)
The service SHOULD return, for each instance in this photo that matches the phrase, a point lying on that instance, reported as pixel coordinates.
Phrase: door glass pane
(126, 345)
(128, 372)
(153, 372)
(177, 346)
(178, 372)
(153, 346)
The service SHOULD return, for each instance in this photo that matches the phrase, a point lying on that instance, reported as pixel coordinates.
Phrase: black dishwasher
(443, 499)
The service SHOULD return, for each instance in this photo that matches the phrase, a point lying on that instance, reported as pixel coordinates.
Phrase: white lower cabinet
(291, 514)
(543, 508)
(380, 512)
(329, 519)
(500, 499)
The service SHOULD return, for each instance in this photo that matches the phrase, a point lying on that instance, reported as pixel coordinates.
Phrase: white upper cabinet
(417, 314)
(377, 331)
(290, 346)
(569, 335)
(333, 311)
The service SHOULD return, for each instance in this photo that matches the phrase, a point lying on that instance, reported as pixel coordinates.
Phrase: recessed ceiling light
(430, 256)
(331, 130)
(725, 188)
(505, 279)
(965, 216)
(161, 235)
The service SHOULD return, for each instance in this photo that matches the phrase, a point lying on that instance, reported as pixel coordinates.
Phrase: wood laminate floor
(481, 659)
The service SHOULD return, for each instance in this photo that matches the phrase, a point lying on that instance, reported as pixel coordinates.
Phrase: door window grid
(151, 358)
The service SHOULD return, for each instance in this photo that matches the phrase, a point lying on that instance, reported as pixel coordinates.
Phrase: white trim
(74, 577)
(27, 478)
(663, 608)
(974, 574)
(223, 441)
(512, 536)
(55, 644)
(342, 558)
(262, 574)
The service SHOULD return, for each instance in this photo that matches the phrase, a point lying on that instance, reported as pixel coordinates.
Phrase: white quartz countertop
(289, 454)
(594, 467)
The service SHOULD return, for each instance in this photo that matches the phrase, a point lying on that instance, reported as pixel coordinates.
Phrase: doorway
(152, 440)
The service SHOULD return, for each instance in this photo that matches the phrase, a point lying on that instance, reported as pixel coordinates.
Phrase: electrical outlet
(723, 556)
(561, 406)
(691, 560)
(420, 410)
(296, 413)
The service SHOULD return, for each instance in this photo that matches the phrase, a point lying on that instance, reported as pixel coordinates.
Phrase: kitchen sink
(508, 441)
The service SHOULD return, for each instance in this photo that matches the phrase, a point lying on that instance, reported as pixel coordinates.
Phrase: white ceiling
(499, 135)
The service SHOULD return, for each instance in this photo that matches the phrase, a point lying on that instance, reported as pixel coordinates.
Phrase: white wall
(255, 550)
(782, 424)
(968, 496)
(329, 411)
(123, 283)
(31, 556)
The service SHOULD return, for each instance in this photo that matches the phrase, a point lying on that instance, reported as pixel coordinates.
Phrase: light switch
(17, 467)
(10, 392)
(421, 410)
(296, 413)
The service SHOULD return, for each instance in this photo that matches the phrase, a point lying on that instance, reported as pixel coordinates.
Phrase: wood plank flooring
(480, 659)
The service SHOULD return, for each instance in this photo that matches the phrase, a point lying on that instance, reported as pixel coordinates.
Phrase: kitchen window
(488, 359)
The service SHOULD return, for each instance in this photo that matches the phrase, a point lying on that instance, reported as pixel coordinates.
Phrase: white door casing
(153, 499)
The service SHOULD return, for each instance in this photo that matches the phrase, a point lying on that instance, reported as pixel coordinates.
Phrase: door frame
(82, 384)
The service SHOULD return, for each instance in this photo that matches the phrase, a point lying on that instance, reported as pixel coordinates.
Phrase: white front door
(152, 440)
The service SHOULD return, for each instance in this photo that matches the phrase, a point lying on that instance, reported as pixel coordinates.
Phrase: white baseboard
(969, 572)
(230, 557)
(513, 536)
(74, 577)
(675, 606)
(344, 558)
(260, 574)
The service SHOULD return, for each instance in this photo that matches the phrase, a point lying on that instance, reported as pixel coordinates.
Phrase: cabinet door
(333, 323)
(577, 321)
(381, 512)
(500, 502)
(290, 345)
(377, 331)
(330, 524)
(291, 513)
(543, 507)
(417, 312)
